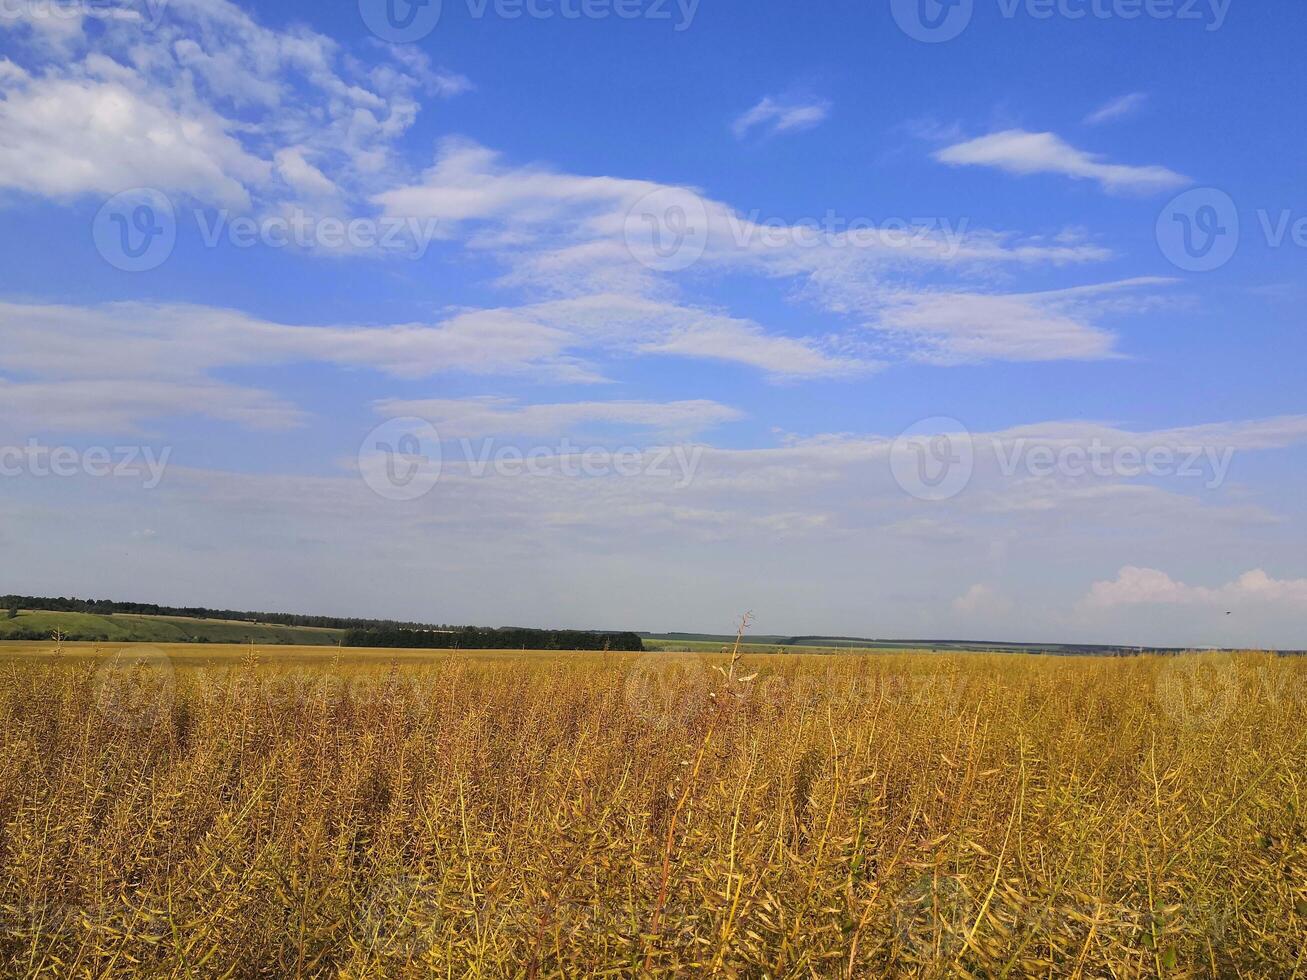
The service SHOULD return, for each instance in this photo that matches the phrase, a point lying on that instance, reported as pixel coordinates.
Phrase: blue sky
(869, 328)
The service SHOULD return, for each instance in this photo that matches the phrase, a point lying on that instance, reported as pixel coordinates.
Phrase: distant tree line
(107, 607)
(474, 638)
(359, 632)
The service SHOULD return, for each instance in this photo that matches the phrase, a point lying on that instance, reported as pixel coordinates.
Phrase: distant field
(753, 646)
(208, 654)
(37, 626)
(195, 811)
(674, 644)
(229, 656)
(703, 642)
(125, 627)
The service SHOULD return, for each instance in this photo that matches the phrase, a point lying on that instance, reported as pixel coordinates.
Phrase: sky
(889, 318)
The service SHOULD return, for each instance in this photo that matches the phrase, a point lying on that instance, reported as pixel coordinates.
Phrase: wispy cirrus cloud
(1023, 153)
(970, 327)
(490, 415)
(142, 361)
(567, 233)
(1118, 108)
(781, 115)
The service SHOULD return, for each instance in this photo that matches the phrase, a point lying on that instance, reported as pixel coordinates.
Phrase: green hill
(128, 628)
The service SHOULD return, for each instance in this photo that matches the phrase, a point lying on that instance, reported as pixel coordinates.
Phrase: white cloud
(742, 342)
(982, 601)
(1118, 108)
(575, 225)
(1135, 586)
(1019, 152)
(151, 360)
(800, 531)
(119, 405)
(60, 137)
(968, 327)
(204, 102)
(564, 233)
(306, 179)
(626, 323)
(804, 531)
(158, 356)
(489, 416)
(782, 116)
(955, 328)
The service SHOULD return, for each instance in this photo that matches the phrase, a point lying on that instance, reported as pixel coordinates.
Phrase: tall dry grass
(978, 816)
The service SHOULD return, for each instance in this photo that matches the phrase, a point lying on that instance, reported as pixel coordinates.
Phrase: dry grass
(458, 815)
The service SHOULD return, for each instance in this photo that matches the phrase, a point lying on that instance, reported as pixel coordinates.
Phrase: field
(126, 627)
(201, 812)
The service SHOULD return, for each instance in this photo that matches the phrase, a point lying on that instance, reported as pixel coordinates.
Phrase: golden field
(226, 812)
